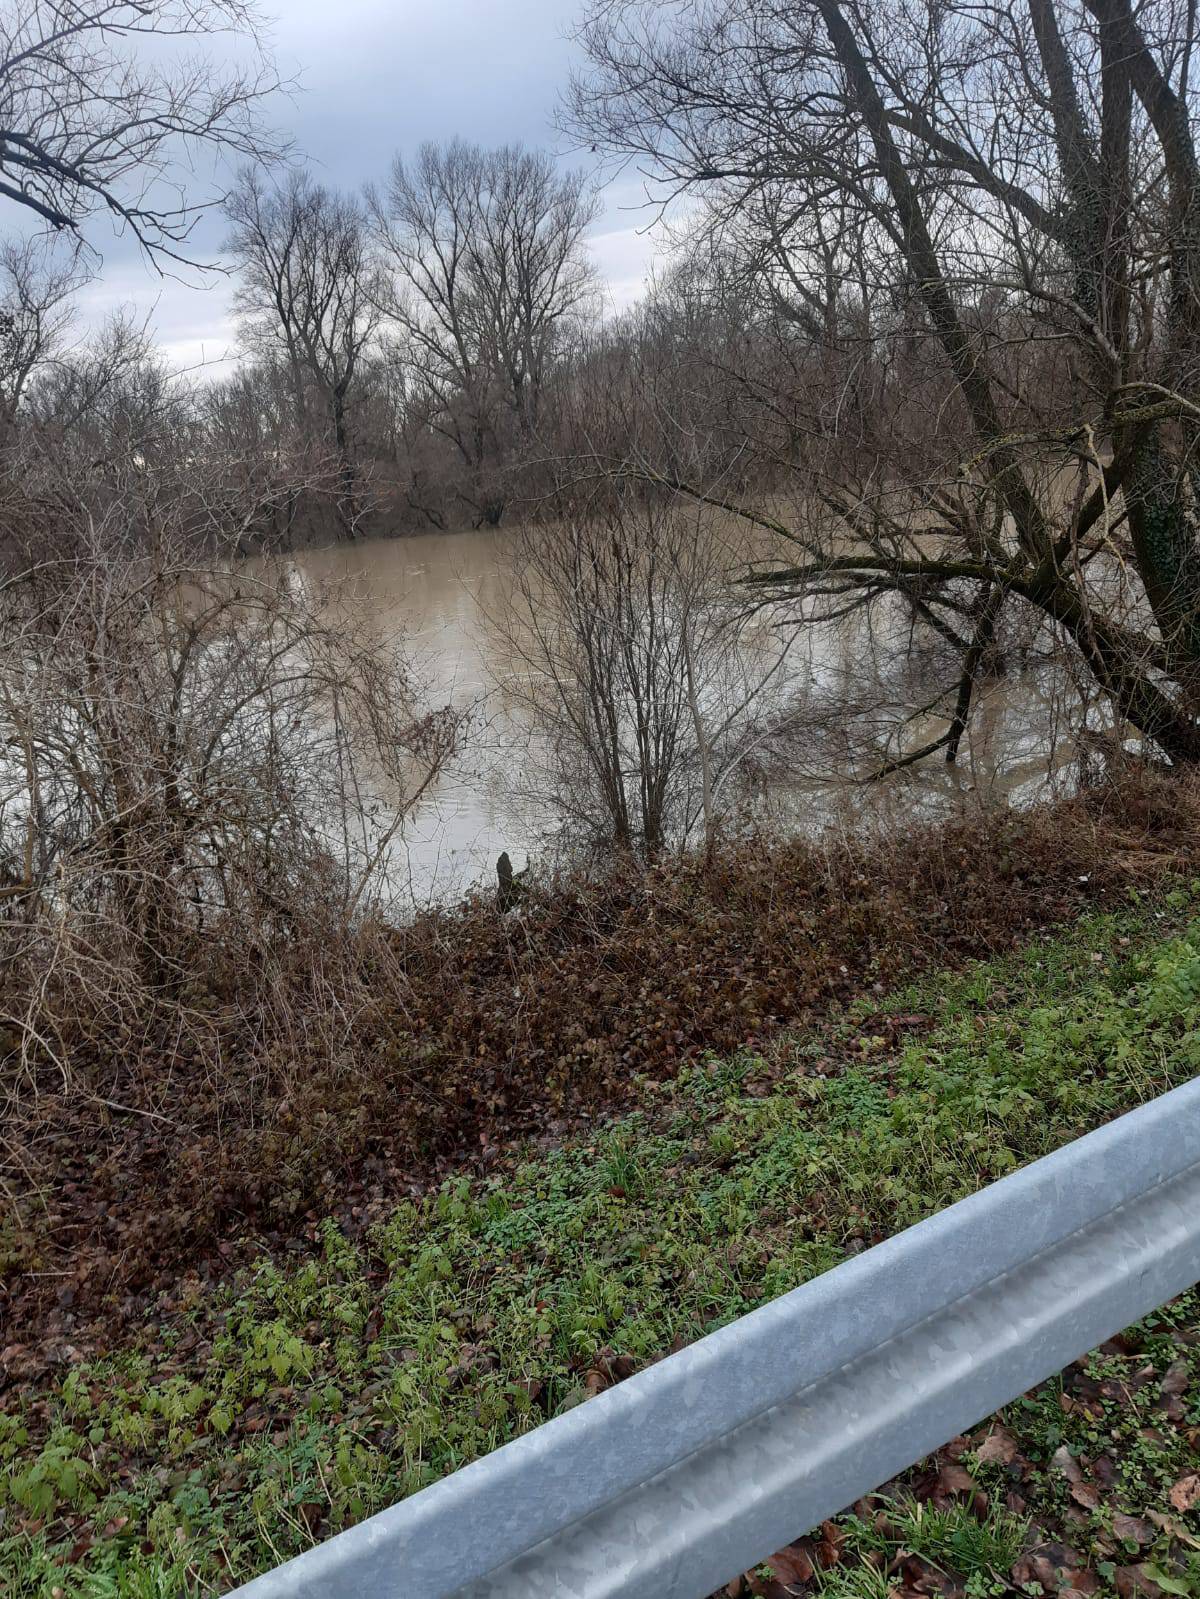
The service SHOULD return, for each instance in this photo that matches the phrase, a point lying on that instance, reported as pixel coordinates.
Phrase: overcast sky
(377, 76)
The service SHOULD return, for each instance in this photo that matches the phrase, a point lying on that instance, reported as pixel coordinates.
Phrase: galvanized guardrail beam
(691, 1471)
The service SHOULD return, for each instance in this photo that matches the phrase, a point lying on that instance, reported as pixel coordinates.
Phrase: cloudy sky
(377, 76)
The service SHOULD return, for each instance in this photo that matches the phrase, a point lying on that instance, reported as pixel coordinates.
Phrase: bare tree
(183, 787)
(621, 640)
(654, 391)
(309, 293)
(84, 411)
(37, 289)
(111, 401)
(486, 247)
(249, 419)
(976, 232)
(90, 123)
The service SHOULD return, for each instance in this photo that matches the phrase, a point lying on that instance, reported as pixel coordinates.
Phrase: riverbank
(237, 1426)
(375, 1068)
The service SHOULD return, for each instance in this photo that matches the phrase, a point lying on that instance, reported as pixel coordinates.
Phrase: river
(440, 593)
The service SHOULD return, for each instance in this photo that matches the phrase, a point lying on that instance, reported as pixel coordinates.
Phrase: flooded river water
(440, 595)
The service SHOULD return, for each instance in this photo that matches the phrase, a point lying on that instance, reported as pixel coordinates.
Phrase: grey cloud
(376, 77)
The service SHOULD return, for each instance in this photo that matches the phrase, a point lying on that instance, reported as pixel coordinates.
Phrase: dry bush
(188, 846)
(489, 284)
(602, 979)
(625, 644)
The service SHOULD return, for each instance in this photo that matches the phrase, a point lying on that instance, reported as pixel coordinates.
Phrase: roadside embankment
(239, 1424)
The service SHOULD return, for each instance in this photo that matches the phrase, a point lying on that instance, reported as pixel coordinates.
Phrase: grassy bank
(337, 1377)
(325, 1077)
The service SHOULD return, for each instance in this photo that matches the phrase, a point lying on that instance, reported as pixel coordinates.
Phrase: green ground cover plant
(339, 1376)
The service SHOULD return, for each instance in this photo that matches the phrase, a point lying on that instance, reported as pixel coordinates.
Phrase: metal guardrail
(688, 1473)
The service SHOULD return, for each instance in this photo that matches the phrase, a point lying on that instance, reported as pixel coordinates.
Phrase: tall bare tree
(37, 287)
(486, 247)
(982, 225)
(249, 420)
(91, 122)
(308, 291)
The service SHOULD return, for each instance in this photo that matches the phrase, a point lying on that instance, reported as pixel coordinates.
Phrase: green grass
(321, 1389)
(951, 1539)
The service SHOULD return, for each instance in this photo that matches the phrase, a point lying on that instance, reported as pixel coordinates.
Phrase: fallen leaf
(1136, 1580)
(954, 1480)
(1185, 1495)
(1104, 1471)
(922, 1577)
(791, 1564)
(1063, 1460)
(1177, 1378)
(1046, 1565)
(999, 1446)
(832, 1538)
(1133, 1528)
(770, 1588)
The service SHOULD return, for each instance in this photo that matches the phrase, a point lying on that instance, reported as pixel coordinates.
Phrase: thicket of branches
(189, 844)
(94, 123)
(969, 243)
(190, 744)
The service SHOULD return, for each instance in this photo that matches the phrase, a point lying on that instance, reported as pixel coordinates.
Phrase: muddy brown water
(439, 595)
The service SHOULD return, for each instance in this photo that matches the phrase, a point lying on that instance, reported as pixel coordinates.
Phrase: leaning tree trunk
(1167, 550)
(1163, 524)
